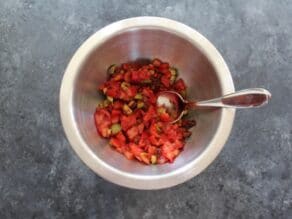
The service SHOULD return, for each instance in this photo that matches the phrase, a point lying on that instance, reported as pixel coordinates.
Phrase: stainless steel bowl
(199, 64)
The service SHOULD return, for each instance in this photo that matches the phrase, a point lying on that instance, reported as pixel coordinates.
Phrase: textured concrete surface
(41, 177)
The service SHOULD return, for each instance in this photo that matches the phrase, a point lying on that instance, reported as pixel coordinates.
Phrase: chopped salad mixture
(129, 117)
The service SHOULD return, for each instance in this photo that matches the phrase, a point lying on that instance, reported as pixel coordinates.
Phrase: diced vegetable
(115, 116)
(127, 110)
(125, 85)
(104, 90)
(115, 142)
(173, 71)
(129, 155)
(153, 159)
(110, 99)
(138, 96)
(105, 103)
(111, 69)
(180, 85)
(145, 158)
(140, 104)
(132, 132)
(115, 128)
(128, 121)
(165, 117)
(156, 62)
(161, 110)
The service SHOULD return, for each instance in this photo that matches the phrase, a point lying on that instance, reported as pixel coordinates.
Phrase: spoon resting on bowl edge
(177, 106)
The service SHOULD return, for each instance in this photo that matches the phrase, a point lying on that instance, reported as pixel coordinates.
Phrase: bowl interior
(130, 45)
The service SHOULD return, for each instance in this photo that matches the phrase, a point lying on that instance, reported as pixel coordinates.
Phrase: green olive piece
(106, 103)
(110, 99)
(140, 104)
(127, 110)
(144, 157)
(125, 85)
(115, 128)
(138, 96)
(174, 74)
(111, 69)
(173, 71)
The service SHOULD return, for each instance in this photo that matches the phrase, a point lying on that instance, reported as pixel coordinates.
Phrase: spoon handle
(248, 98)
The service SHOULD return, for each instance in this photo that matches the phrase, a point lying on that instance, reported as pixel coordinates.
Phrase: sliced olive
(158, 128)
(125, 85)
(156, 62)
(111, 69)
(172, 79)
(110, 99)
(138, 96)
(140, 104)
(100, 105)
(174, 74)
(173, 71)
(127, 110)
(106, 103)
(115, 128)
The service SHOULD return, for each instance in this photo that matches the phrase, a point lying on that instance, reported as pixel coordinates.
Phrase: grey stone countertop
(41, 176)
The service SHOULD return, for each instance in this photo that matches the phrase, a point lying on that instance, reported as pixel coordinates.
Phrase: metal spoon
(177, 106)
